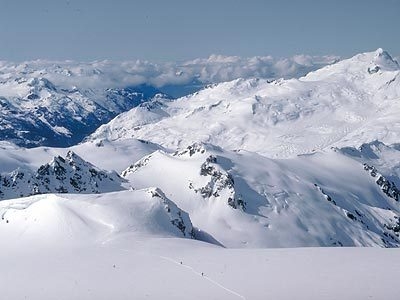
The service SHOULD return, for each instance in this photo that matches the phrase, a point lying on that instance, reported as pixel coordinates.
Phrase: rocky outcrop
(387, 187)
(220, 182)
(69, 174)
(178, 218)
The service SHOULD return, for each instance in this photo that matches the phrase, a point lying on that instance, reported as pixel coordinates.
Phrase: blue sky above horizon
(176, 30)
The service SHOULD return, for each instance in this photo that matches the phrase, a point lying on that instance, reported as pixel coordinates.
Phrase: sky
(175, 30)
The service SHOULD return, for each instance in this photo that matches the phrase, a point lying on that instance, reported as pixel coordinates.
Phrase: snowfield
(247, 189)
(151, 269)
(122, 246)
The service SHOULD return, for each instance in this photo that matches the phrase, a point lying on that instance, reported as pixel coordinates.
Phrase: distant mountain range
(60, 103)
(349, 103)
(36, 112)
(253, 162)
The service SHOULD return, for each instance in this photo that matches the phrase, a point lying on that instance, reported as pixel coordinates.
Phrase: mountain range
(349, 103)
(250, 163)
(258, 178)
(45, 103)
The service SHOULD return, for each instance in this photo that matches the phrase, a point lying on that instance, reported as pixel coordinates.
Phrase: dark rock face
(220, 184)
(387, 187)
(388, 230)
(394, 226)
(191, 150)
(374, 69)
(71, 174)
(132, 168)
(326, 196)
(179, 218)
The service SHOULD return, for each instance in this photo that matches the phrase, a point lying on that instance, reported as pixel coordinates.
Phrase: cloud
(214, 69)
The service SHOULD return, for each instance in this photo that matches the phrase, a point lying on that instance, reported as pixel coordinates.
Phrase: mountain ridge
(69, 174)
(55, 103)
(250, 163)
(338, 104)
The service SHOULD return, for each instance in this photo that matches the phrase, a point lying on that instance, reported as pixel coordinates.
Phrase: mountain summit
(69, 174)
(345, 104)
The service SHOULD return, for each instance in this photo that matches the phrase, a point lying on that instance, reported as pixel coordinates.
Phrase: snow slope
(340, 197)
(131, 244)
(349, 103)
(247, 200)
(164, 268)
(52, 219)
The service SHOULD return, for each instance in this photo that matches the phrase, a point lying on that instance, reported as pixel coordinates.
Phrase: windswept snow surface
(135, 267)
(125, 245)
(349, 103)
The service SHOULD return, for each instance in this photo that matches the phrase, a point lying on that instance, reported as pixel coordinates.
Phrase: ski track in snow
(203, 276)
(200, 274)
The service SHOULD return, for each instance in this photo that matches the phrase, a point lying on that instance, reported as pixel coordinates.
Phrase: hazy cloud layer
(213, 69)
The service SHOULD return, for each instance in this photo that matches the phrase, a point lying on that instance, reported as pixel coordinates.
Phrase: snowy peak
(196, 169)
(243, 199)
(60, 103)
(384, 61)
(73, 174)
(69, 174)
(339, 104)
(358, 68)
(143, 114)
(38, 87)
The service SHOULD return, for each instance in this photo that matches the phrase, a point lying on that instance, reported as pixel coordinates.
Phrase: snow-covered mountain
(195, 190)
(349, 103)
(60, 103)
(70, 174)
(252, 163)
(66, 218)
(103, 154)
(247, 200)
(341, 197)
(35, 111)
